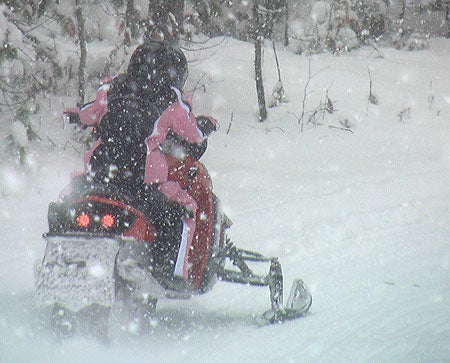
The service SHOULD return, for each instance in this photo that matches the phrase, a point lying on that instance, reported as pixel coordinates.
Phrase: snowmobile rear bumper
(76, 272)
(79, 270)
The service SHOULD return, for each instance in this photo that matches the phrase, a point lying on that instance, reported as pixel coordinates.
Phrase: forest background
(47, 48)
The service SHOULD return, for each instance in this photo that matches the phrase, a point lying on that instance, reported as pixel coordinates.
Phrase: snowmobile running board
(299, 300)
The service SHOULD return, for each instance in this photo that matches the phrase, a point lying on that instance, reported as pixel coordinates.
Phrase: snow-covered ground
(357, 206)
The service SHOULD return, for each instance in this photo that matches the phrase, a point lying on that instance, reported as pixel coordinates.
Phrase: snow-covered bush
(234, 18)
(345, 39)
(39, 55)
(213, 18)
(416, 41)
(372, 19)
(340, 25)
(331, 27)
(25, 71)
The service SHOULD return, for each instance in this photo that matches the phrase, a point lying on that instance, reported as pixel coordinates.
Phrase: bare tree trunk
(157, 15)
(259, 82)
(258, 64)
(41, 7)
(83, 50)
(403, 12)
(447, 17)
(286, 24)
(165, 19)
(131, 19)
(178, 12)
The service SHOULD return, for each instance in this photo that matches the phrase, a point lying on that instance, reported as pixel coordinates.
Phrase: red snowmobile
(99, 256)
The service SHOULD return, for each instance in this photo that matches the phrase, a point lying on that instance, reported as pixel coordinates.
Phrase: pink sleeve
(156, 168)
(179, 118)
(182, 120)
(92, 113)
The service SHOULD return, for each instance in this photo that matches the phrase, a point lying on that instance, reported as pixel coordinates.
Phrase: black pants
(166, 215)
(124, 173)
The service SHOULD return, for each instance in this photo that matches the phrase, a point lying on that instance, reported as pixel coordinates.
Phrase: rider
(135, 113)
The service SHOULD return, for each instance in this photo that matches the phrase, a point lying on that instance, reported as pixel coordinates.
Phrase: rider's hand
(188, 213)
(206, 124)
(73, 117)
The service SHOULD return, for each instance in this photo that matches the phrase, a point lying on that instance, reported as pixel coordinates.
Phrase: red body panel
(141, 229)
(193, 177)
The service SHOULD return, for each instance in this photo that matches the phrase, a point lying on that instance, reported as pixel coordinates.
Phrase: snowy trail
(362, 218)
(378, 274)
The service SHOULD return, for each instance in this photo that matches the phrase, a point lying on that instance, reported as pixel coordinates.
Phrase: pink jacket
(92, 113)
(178, 118)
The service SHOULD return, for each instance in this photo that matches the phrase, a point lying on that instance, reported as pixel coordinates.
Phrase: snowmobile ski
(298, 304)
(299, 300)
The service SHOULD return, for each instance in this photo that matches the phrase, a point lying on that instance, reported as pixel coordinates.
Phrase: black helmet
(155, 66)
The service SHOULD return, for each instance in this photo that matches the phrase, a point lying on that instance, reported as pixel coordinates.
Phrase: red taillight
(108, 221)
(84, 220)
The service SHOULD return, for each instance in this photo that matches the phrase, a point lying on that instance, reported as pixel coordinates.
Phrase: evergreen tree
(28, 69)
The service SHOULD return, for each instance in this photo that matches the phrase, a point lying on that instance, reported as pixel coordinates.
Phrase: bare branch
(372, 98)
(305, 94)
